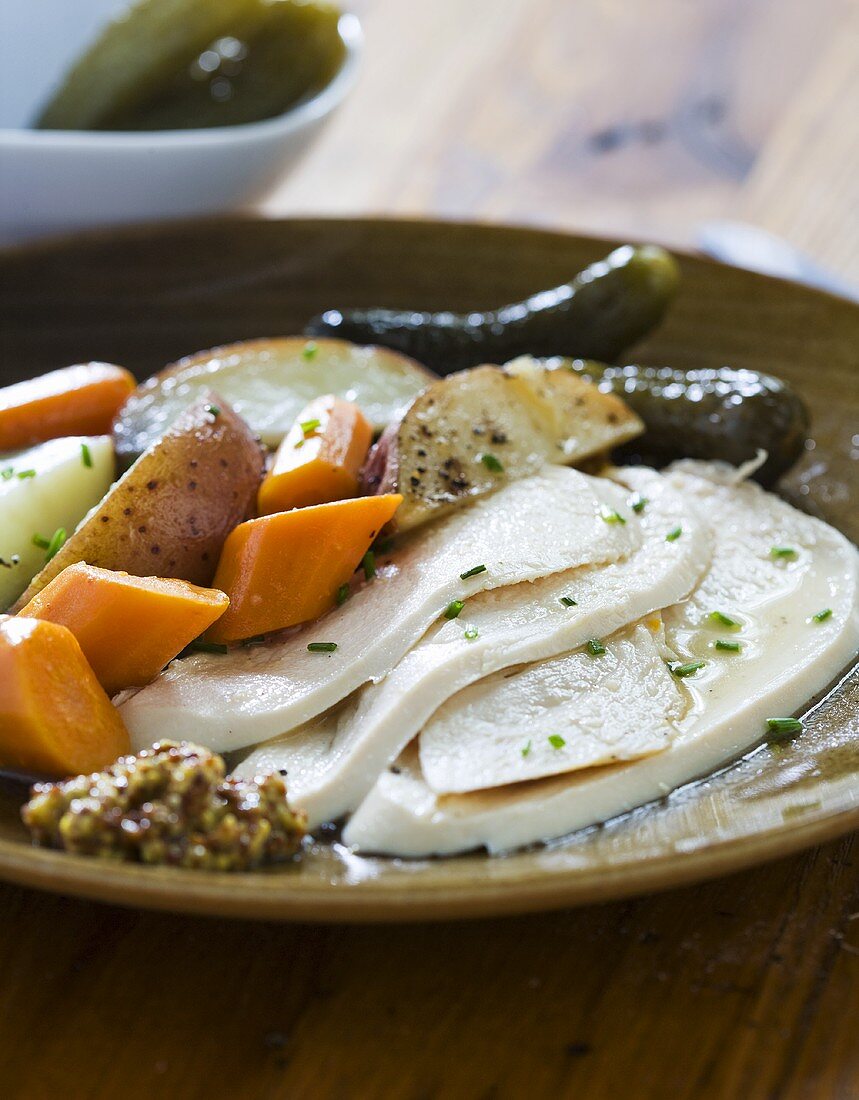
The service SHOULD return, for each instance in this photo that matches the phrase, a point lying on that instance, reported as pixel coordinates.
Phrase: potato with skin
(470, 433)
(170, 513)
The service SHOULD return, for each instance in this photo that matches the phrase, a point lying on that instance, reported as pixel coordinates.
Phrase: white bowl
(58, 180)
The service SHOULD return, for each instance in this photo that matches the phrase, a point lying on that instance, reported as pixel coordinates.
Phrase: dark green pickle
(604, 309)
(719, 414)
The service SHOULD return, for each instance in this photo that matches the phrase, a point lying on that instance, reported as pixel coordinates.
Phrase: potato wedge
(268, 383)
(171, 512)
(472, 432)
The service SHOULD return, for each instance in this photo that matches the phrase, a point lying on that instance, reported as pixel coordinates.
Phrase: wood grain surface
(599, 115)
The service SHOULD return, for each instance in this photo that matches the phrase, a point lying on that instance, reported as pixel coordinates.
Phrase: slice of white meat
(528, 529)
(786, 657)
(576, 711)
(333, 763)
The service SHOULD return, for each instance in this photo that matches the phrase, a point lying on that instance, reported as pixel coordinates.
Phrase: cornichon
(603, 310)
(720, 414)
(175, 64)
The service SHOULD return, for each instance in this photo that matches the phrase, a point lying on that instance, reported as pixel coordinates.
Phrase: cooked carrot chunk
(285, 569)
(319, 459)
(128, 627)
(79, 400)
(55, 718)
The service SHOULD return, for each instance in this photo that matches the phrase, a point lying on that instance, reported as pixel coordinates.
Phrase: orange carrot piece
(285, 569)
(79, 400)
(319, 459)
(128, 627)
(55, 718)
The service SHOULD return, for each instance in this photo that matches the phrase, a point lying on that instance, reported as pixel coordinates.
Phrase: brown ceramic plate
(144, 297)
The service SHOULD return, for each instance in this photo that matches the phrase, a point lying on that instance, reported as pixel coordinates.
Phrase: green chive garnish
(57, 540)
(567, 601)
(556, 741)
(321, 647)
(368, 563)
(208, 647)
(726, 647)
(527, 750)
(472, 572)
(471, 633)
(308, 426)
(595, 647)
(343, 593)
(453, 609)
(86, 455)
(214, 410)
(674, 534)
(7, 473)
(784, 727)
(724, 620)
(783, 553)
(41, 542)
(22, 474)
(309, 350)
(491, 463)
(638, 503)
(683, 669)
(609, 515)
(822, 616)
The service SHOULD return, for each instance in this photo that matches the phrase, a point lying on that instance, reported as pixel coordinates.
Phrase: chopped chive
(321, 647)
(86, 454)
(300, 443)
(453, 609)
(7, 473)
(208, 647)
(22, 474)
(724, 620)
(556, 741)
(471, 633)
(783, 553)
(309, 350)
(726, 647)
(41, 542)
(368, 564)
(343, 594)
(822, 616)
(255, 639)
(609, 515)
(527, 750)
(309, 426)
(674, 534)
(472, 572)
(682, 669)
(638, 503)
(57, 540)
(491, 463)
(595, 647)
(213, 410)
(784, 727)
(567, 601)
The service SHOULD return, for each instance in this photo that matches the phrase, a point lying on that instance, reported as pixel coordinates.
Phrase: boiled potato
(45, 489)
(169, 514)
(471, 432)
(268, 383)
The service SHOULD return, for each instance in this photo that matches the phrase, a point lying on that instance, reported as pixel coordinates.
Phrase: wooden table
(636, 119)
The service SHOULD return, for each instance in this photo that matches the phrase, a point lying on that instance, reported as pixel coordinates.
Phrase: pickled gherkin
(721, 414)
(599, 313)
(180, 64)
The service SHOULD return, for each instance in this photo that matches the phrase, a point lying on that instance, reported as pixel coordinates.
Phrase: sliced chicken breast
(576, 711)
(773, 571)
(333, 763)
(529, 529)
